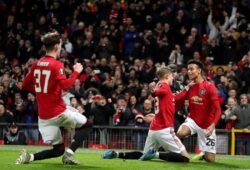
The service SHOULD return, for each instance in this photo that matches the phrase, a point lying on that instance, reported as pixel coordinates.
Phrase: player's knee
(180, 134)
(59, 149)
(183, 131)
(210, 158)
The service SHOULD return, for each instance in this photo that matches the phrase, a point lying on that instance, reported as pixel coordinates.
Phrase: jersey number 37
(41, 86)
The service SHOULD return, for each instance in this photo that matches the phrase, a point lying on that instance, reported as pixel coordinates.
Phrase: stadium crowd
(121, 44)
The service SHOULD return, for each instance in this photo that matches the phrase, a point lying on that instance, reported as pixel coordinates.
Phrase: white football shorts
(50, 128)
(165, 138)
(205, 144)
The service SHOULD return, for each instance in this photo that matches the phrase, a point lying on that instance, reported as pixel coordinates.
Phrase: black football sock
(80, 134)
(57, 151)
(130, 155)
(173, 157)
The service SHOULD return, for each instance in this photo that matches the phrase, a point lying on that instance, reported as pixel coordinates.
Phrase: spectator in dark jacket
(102, 111)
(241, 115)
(5, 117)
(14, 136)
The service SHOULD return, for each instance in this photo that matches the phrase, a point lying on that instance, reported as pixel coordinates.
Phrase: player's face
(170, 78)
(193, 71)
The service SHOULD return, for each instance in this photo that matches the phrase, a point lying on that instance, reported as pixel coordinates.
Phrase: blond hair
(162, 72)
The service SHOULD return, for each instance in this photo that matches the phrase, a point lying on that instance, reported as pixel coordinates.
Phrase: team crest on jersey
(61, 71)
(202, 92)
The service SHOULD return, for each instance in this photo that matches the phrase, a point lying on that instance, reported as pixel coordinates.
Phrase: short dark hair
(50, 40)
(198, 63)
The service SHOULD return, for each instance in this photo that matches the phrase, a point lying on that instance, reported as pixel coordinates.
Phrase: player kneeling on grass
(161, 132)
(47, 80)
(204, 112)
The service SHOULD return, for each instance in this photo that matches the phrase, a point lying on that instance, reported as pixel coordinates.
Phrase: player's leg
(150, 146)
(80, 135)
(171, 143)
(207, 145)
(52, 136)
(186, 129)
(83, 128)
(111, 154)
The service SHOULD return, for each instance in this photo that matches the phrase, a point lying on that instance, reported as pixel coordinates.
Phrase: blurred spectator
(74, 102)
(5, 117)
(14, 136)
(215, 26)
(30, 117)
(143, 118)
(123, 115)
(18, 107)
(227, 117)
(77, 90)
(241, 115)
(133, 105)
(176, 57)
(148, 71)
(102, 110)
(3, 95)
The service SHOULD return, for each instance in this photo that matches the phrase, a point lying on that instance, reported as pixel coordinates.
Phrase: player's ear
(56, 47)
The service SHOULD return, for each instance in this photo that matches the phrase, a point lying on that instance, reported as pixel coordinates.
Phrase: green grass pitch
(91, 160)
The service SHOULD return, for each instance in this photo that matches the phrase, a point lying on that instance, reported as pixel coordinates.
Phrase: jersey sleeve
(161, 89)
(214, 96)
(61, 77)
(180, 99)
(59, 72)
(213, 92)
(67, 83)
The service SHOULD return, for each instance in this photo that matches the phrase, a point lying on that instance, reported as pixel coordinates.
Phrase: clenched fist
(78, 67)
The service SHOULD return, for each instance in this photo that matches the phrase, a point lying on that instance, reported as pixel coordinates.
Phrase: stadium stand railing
(233, 137)
(132, 138)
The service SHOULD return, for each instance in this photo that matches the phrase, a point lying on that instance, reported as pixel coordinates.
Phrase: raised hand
(78, 67)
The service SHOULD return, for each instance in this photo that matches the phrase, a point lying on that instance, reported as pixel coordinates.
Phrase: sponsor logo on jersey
(196, 100)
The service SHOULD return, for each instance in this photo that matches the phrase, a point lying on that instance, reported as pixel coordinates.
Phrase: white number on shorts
(156, 105)
(37, 75)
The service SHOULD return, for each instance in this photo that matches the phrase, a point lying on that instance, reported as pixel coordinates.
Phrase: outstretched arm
(180, 99)
(67, 83)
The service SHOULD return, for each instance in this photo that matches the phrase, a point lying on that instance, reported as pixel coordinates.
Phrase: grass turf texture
(91, 160)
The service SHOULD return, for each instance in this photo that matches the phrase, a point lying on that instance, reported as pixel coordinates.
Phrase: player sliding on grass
(204, 114)
(47, 80)
(161, 132)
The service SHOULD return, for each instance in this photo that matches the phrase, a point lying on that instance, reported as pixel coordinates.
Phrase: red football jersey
(44, 77)
(164, 107)
(201, 97)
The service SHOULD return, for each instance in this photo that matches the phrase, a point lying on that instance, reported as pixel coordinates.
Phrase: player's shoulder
(208, 84)
(162, 85)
